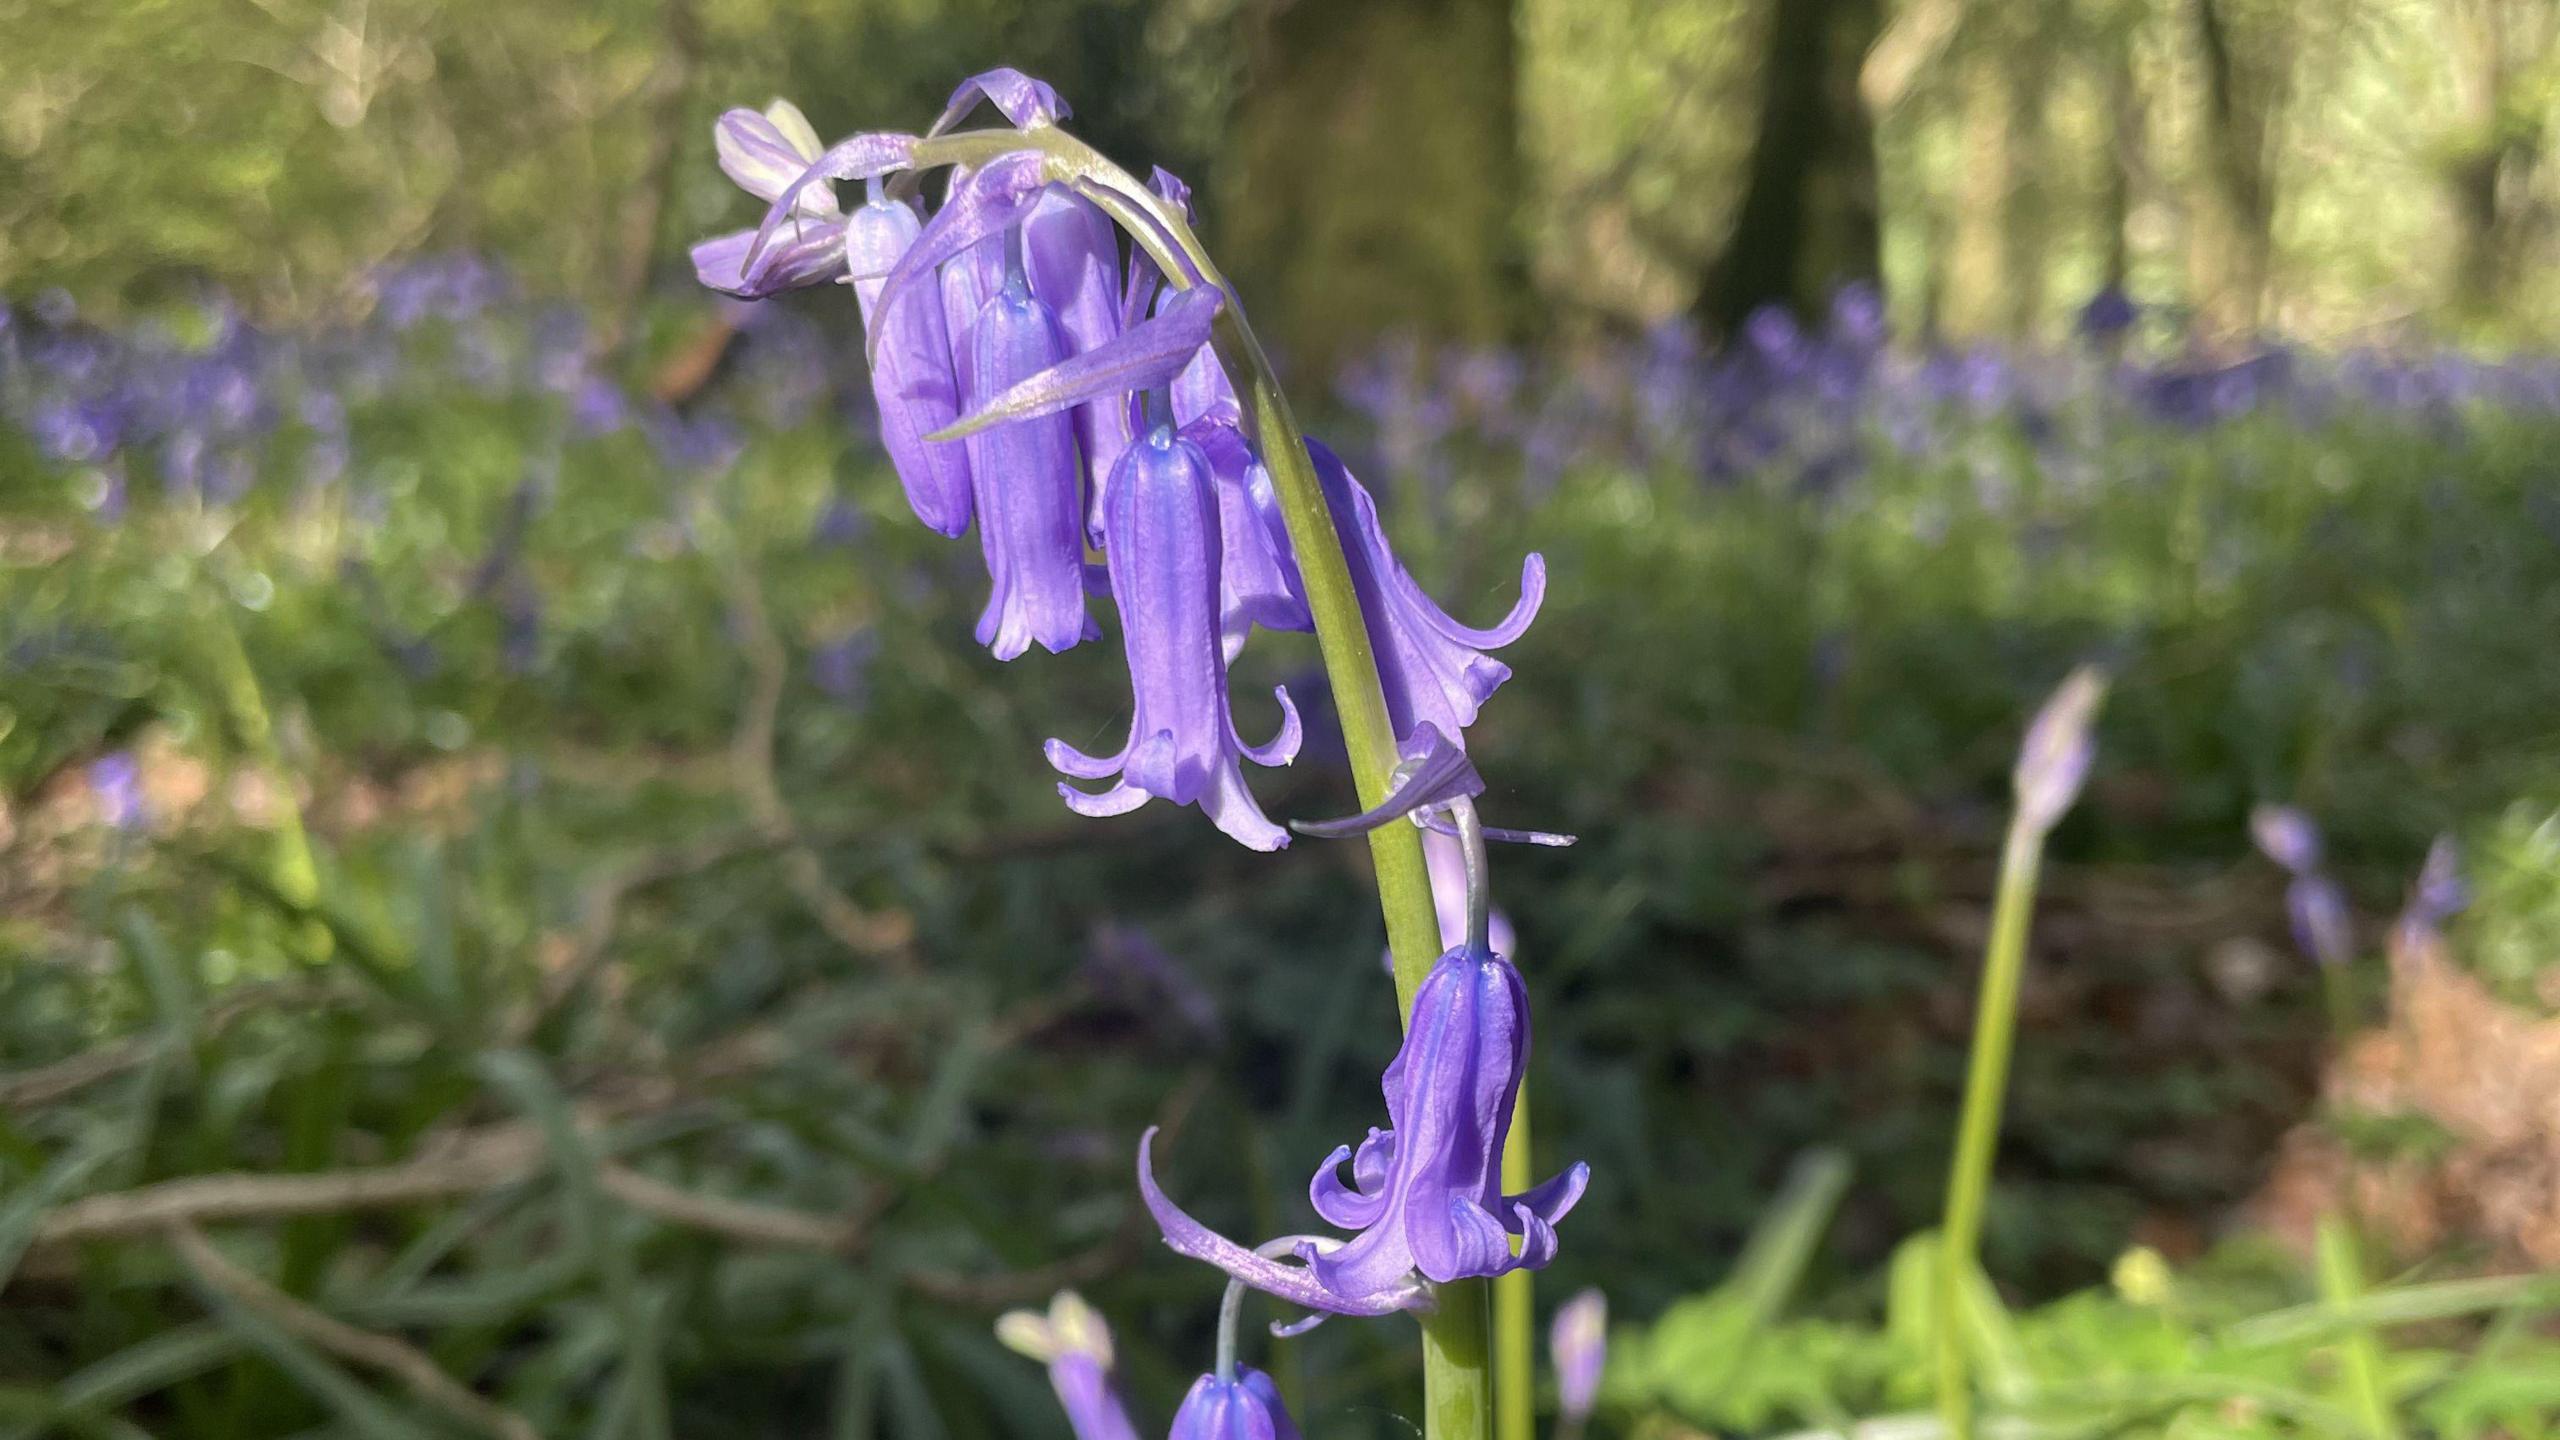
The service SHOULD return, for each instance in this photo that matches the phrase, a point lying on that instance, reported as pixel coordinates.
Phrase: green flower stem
(292, 870)
(1514, 1306)
(1456, 1363)
(1977, 1137)
(2360, 1358)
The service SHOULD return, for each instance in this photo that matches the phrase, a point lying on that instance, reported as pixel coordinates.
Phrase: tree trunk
(2490, 164)
(1807, 223)
(1978, 276)
(1374, 184)
(2230, 245)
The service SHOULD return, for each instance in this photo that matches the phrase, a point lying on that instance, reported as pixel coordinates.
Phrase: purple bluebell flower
(1076, 1346)
(1029, 493)
(2108, 314)
(914, 378)
(2436, 897)
(1434, 669)
(839, 667)
(2287, 836)
(1073, 256)
(1426, 1193)
(1857, 315)
(2054, 759)
(801, 241)
(600, 408)
(1245, 1408)
(2440, 891)
(1294, 1283)
(1258, 580)
(115, 779)
(1025, 102)
(1182, 746)
(1579, 1344)
(2322, 926)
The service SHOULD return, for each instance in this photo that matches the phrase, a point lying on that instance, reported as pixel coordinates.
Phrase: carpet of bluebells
(564, 794)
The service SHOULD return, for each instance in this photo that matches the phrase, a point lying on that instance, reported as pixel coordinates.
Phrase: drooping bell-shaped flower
(2287, 836)
(1073, 256)
(1245, 1408)
(1183, 747)
(1433, 668)
(1258, 580)
(2323, 924)
(913, 378)
(802, 240)
(1029, 493)
(1426, 1192)
(1075, 1345)
(764, 153)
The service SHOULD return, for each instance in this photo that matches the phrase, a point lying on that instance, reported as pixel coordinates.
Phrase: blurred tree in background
(1468, 168)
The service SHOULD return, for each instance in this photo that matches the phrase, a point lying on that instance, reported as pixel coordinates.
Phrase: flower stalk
(1456, 1337)
(2052, 764)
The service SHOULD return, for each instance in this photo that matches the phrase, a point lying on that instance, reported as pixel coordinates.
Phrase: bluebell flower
(1579, 1345)
(1245, 1408)
(115, 779)
(1434, 669)
(1182, 746)
(2054, 759)
(2315, 907)
(1258, 580)
(914, 378)
(838, 667)
(1426, 1192)
(1072, 254)
(1075, 1345)
(1027, 487)
(2287, 836)
(2323, 928)
(2108, 314)
(2437, 896)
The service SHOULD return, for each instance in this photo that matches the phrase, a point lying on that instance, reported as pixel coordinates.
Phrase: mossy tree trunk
(1808, 220)
(1374, 179)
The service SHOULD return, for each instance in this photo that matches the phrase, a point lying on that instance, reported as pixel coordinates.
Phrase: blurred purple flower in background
(1578, 1342)
(115, 780)
(2316, 908)
(2054, 759)
(1076, 1346)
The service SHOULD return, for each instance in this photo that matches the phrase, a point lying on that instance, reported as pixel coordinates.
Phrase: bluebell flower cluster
(1062, 392)
(197, 408)
(1812, 406)
(2323, 926)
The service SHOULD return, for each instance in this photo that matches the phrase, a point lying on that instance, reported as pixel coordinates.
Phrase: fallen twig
(387, 1353)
